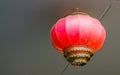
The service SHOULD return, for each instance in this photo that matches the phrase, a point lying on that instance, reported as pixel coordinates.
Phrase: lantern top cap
(77, 11)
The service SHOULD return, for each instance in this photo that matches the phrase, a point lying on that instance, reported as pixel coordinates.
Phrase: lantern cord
(105, 11)
(64, 69)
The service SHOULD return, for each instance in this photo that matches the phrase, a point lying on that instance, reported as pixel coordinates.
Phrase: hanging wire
(64, 69)
(105, 11)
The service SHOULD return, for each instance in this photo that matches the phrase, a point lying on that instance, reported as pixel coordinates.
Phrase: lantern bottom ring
(78, 55)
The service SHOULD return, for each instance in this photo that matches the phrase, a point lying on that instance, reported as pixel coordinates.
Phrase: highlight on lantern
(78, 37)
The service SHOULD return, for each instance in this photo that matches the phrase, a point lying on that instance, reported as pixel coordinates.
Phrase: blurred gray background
(25, 47)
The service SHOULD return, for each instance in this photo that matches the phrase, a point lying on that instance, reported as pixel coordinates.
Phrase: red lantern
(78, 36)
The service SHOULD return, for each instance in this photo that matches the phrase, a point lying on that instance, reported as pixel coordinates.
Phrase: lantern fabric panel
(55, 41)
(60, 30)
(95, 34)
(72, 29)
(85, 27)
(98, 44)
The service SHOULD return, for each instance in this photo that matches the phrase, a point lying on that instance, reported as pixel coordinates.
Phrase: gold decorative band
(78, 55)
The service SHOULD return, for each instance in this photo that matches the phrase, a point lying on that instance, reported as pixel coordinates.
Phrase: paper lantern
(77, 36)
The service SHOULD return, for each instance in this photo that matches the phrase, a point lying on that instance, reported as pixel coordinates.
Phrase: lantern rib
(58, 38)
(94, 43)
(88, 37)
(101, 37)
(88, 40)
(79, 28)
(53, 42)
(66, 30)
(96, 40)
(87, 43)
